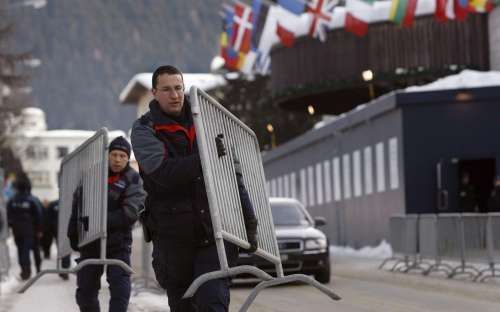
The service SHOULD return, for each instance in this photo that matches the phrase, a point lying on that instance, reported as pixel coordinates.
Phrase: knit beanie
(120, 143)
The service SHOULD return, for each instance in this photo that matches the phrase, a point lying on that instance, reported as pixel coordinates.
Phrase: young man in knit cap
(178, 216)
(125, 198)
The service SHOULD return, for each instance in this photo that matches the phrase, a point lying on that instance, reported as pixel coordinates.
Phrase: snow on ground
(150, 302)
(381, 251)
(52, 294)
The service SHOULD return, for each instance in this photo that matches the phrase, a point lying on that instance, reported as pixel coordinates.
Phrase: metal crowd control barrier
(468, 238)
(213, 121)
(84, 170)
(472, 238)
(429, 238)
(493, 247)
(403, 230)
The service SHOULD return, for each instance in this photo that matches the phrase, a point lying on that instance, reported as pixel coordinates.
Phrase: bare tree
(14, 90)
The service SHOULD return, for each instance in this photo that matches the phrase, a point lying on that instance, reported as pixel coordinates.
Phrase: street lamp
(368, 77)
(270, 129)
(310, 109)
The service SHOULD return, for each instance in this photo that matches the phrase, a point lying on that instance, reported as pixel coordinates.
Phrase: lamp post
(368, 77)
(310, 110)
(272, 135)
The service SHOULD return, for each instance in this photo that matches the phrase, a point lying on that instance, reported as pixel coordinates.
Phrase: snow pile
(464, 80)
(10, 283)
(149, 302)
(382, 251)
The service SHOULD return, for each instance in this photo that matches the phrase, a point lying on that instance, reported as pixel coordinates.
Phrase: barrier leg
(464, 269)
(268, 281)
(438, 266)
(494, 273)
(285, 280)
(80, 265)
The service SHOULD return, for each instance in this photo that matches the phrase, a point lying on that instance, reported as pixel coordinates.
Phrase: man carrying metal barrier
(177, 212)
(125, 198)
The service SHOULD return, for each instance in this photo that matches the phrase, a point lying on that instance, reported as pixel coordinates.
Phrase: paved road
(365, 288)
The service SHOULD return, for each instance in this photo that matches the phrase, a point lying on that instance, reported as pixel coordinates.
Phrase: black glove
(251, 227)
(252, 240)
(221, 149)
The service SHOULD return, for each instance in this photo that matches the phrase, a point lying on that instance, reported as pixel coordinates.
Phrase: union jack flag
(321, 12)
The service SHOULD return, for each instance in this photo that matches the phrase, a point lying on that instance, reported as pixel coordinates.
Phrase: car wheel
(323, 276)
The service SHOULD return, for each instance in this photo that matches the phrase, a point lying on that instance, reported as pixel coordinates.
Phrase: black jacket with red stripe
(166, 150)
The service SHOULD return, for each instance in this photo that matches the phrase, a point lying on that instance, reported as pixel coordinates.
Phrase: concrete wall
(494, 33)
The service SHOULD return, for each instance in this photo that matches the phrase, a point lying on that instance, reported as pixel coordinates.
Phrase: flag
(294, 6)
(229, 55)
(461, 9)
(444, 10)
(321, 12)
(403, 12)
(287, 37)
(242, 28)
(259, 19)
(358, 16)
(482, 6)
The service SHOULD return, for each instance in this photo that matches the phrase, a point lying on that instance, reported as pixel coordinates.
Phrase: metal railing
(213, 121)
(458, 244)
(83, 171)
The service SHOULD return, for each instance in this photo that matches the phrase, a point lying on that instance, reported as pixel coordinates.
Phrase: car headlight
(317, 243)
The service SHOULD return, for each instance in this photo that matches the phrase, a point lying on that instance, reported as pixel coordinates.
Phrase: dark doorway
(473, 196)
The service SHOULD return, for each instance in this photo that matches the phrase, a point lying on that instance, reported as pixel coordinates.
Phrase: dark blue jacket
(24, 215)
(166, 150)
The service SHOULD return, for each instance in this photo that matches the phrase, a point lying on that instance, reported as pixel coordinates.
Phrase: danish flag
(242, 28)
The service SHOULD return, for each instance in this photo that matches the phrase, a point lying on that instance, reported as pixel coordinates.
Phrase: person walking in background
(467, 195)
(177, 211)
(52, 215)
(47, 236)
(24, 215)
(125, 199)
(494, 200)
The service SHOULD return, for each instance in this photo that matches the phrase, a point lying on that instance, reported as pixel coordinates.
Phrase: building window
(37, 152)
(39, 178)
(62, 151)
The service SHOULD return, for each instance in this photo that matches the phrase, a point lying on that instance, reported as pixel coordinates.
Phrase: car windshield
(288, 214)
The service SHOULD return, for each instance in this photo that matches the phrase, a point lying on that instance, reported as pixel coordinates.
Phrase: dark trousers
(88, 281)
(36, 253)
(24, 245)
(178, 265)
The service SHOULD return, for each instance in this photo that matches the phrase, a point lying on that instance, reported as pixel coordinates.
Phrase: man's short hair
(165, 69)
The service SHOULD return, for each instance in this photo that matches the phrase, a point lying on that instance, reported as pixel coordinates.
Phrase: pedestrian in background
(47, 236)
(24, 215)
(52, 215)
(494, 200)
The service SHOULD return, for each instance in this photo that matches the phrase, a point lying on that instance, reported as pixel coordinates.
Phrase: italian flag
(358, 16)
(403, 12)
